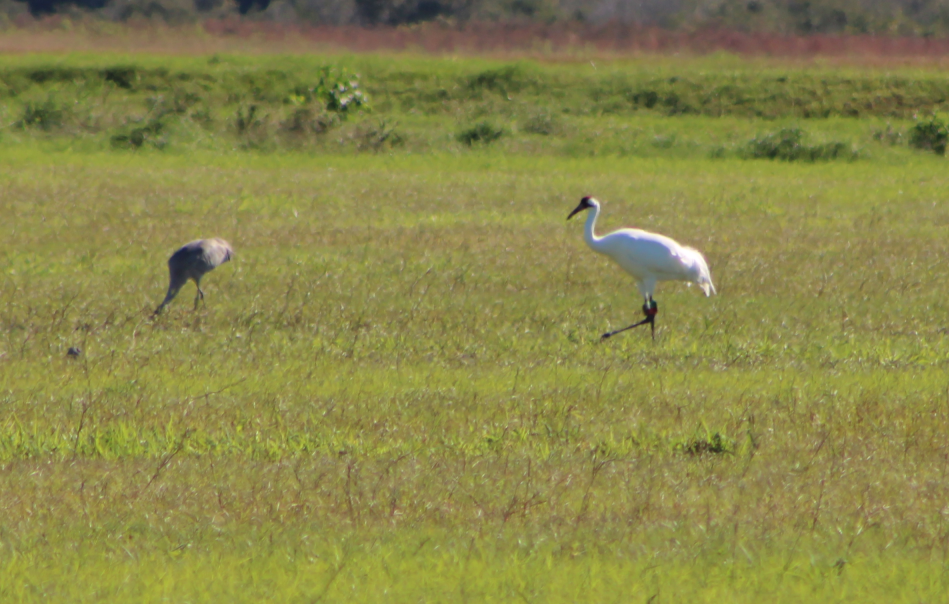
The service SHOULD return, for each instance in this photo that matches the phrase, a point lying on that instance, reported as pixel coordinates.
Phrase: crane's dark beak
(578, 209)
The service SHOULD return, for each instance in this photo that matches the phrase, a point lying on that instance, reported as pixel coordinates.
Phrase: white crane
(192, 261)
(648, 257)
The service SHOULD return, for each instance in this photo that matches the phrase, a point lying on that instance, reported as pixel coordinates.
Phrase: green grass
(395, 391)
(425, 105)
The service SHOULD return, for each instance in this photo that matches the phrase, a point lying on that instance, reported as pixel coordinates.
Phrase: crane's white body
(648, 257)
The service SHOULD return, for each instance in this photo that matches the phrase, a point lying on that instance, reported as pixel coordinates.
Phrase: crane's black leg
(650, 309)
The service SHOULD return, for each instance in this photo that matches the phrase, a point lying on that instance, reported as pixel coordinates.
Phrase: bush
(46, 116)
(250, 127)
(888, 136)
(304, 121)
(377, 136)
(245, 121)
(123, 77)
(788, 145)
(714, 444)
(338, 90)
(932, 135)
(136, 137)
(482, 132)
(504, 80)
(542, 123)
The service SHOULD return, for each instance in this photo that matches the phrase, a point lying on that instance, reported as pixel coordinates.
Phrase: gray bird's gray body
(191, 262)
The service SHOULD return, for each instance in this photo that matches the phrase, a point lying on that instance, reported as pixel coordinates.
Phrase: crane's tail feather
(701, 274)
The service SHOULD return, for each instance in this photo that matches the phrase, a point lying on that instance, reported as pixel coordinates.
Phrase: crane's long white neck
(589, 234)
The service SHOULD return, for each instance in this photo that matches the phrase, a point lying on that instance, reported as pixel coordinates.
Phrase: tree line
(889, 17)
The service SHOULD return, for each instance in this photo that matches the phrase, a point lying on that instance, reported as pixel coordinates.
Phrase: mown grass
(396, 391)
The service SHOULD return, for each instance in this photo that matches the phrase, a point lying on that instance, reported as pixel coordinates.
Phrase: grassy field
(396, 390)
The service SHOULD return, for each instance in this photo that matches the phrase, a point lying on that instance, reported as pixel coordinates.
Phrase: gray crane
(193, 261)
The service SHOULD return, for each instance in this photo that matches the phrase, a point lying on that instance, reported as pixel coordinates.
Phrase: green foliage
(140, 135)
(340, 91)
(246, 119)
(543, 124)
(788, 145)
(709, 444)
(46, 115)
(889, 136)
(302, 121)
(504, 80)
(377, 136)
(123, 77)
(932, 135)
(483, 132)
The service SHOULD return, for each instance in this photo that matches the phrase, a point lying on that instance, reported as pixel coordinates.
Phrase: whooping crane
(192, 261)
(648, 257)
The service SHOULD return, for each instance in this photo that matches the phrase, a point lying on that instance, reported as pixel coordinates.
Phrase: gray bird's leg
(199, 295)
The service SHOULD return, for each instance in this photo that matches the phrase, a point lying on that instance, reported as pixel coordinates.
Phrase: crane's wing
(641, 253)
(648, 256)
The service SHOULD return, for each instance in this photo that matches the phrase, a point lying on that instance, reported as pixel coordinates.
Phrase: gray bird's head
(585, 204)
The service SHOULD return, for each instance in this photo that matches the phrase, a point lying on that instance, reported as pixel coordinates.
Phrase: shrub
(339, 91)
(304, 121)
(788, 145)
(251, 128)
(376, 136)
(542, 123)
(708, 444)
(932, 135)
(136, 137)
(504, 80)
(888, 136)
(246, 121)
(482, 132)
(123, 77)
(646, 98)
(46, 115)
(177, 103)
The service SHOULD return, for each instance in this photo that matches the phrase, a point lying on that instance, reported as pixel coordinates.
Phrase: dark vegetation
(707, 444)
(931, 134)
(482, 132)
(789, 145)
(805, 17)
